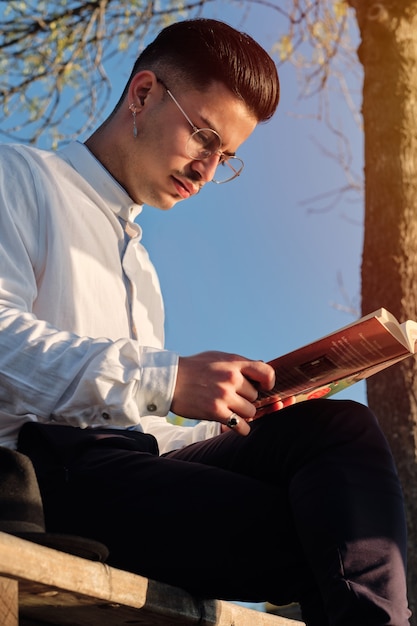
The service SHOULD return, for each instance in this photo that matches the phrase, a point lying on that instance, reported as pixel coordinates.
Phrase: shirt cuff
(157, 382)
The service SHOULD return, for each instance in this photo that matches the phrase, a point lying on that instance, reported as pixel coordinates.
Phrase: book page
(409, 329)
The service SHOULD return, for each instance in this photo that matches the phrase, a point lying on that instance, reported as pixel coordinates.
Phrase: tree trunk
(388, 53)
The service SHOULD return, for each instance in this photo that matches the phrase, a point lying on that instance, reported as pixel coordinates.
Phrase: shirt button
(151, 408)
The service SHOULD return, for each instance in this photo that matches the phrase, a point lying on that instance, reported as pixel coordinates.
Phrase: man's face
(156, 169)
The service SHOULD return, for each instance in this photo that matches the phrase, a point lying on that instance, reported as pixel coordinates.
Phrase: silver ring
(233, 421)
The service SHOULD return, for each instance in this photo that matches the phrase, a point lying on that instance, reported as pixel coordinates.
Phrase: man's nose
(207, 167)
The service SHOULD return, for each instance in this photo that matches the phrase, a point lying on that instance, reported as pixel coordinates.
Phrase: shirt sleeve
(172, 436)
(56, 375)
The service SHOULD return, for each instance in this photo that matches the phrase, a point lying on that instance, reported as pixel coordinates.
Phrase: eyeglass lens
(205, 142)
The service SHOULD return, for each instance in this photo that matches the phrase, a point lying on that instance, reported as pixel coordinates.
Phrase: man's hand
(213, 385)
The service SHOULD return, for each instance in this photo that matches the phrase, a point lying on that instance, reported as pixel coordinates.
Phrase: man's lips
(184, 188)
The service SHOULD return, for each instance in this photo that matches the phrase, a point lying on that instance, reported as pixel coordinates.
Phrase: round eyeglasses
(206, 142)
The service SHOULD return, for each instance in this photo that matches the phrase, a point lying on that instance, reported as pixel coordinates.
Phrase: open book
(338, 360)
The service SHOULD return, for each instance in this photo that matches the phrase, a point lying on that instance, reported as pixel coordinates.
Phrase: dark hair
(200, 51)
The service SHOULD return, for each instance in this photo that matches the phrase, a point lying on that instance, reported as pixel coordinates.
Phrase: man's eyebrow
(208, 123)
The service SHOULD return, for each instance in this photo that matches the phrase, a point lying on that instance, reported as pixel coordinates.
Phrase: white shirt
(81, 311)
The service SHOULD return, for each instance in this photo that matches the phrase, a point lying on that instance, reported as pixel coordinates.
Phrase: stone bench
(40, 586)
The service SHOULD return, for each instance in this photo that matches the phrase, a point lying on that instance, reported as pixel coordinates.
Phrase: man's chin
(167, 204)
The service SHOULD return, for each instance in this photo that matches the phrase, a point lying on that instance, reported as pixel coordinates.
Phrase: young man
(304, 505)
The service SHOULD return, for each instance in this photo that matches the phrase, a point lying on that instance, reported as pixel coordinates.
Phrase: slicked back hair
(199, 51)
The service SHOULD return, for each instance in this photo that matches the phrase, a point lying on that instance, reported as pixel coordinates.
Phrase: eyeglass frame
(224, 158)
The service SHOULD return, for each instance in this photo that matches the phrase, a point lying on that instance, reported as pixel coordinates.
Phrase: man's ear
(140, 86)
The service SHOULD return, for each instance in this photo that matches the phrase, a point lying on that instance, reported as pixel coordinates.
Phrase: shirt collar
(90, 168)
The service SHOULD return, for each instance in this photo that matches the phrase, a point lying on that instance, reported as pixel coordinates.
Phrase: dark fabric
(307, 508)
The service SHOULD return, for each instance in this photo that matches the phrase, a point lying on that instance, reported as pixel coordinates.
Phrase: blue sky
(246, 267)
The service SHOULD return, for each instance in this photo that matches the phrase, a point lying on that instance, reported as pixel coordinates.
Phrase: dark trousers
(306, 508)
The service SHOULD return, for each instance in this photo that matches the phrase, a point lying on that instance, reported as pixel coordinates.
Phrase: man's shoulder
(23, 158)
(12, 148)
(20, 153)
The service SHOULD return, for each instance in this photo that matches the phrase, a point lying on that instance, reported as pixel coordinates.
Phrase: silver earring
(133, 109)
